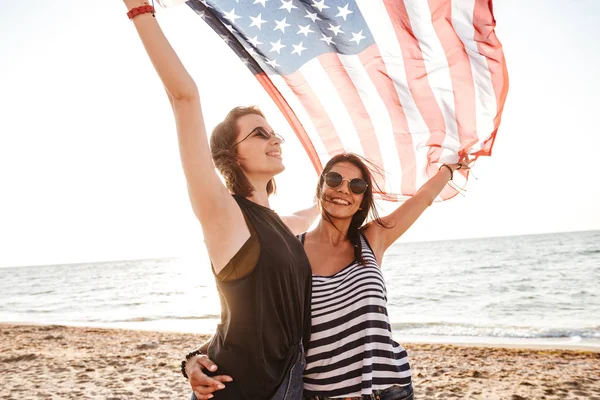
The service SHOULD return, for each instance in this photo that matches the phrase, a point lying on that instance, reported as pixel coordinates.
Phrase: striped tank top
(351, 350)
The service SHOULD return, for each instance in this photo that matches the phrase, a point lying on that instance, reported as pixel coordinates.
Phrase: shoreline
(586, 345)
(66, 362)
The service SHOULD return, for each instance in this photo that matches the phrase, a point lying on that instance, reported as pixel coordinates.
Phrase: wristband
(449, 169)
(187, 358)
(134, 12)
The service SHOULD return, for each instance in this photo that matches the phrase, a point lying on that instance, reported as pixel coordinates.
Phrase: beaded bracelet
(187, 358)
(134, 12)
(449, 169)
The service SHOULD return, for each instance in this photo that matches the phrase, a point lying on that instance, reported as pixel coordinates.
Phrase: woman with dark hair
(351, 353)
(262, 273)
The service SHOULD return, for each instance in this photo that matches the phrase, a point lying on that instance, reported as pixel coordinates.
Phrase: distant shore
(55, 361)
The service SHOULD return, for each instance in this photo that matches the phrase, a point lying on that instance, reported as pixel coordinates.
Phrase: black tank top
(265, 315)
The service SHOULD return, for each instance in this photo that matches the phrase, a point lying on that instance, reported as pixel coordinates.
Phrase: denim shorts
(292, 386)
(397, 393)
(391, 393)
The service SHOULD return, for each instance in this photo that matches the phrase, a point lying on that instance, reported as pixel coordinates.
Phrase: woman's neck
(259, 196)
(333, 234)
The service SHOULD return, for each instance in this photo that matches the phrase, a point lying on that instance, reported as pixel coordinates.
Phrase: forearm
(433, 187)
(308, 214)
(406, 214)
(177, 81)
(301, 221)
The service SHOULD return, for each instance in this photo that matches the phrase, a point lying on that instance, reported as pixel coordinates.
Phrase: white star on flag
(319, 4)
(327, 39)
(251, 51)
(344, 12)
(277, 46)
(357, 37)
(298, 48)
(281, 25)
(305, 30)
(335, 29)
(261, 2)
(254, 41)
(312, 16)
(273, 63)
(257, 21)
(230, 16)
(287, 5)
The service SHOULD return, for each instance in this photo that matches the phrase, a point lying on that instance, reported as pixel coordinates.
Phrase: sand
(58, 362)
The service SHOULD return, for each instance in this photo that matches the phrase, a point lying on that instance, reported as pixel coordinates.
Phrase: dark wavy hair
(225, 156)
(367, 209)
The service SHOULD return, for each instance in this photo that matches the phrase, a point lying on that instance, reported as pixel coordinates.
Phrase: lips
(339, 201)
(276, 154)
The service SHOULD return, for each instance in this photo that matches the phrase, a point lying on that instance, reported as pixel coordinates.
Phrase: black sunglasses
(261, 133)
(335, 180)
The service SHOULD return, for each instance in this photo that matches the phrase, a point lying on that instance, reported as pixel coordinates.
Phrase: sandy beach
(58, 362)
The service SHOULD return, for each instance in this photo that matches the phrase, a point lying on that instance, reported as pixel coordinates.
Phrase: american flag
(408, 84)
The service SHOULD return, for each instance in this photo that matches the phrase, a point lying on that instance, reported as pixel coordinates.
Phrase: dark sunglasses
(261, 133)
(335, 180)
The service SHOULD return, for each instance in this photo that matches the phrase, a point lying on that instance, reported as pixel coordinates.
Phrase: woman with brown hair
(261, 270)
(351, 353)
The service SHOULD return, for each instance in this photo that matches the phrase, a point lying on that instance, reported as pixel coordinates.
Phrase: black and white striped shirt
(351, 350)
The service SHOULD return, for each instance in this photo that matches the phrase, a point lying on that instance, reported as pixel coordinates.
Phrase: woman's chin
(279, 168)
(337, 212)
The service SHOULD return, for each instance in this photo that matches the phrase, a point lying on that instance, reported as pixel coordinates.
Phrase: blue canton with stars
(279, 36)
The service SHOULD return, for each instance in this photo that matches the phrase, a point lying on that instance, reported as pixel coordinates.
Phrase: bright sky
(89, 165)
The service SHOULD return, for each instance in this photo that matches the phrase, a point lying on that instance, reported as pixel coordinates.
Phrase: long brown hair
(225, 156)
(367, 208)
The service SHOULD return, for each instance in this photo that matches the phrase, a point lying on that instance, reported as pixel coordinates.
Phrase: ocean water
(496, 290)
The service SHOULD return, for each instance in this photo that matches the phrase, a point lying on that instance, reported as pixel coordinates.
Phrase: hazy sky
(89, 166)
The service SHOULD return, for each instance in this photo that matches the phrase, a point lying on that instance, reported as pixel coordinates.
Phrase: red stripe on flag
(354, 106)
(292, 119)
(461, 74)
(375, 67)
(418, 83)
(316, 112)
(490, 47)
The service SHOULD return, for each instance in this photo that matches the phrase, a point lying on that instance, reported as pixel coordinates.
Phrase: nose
(344, 187)
(276, 139)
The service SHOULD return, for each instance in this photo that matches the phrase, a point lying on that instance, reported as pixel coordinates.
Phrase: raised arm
(300, 221)
(408, 212)
(222, 221)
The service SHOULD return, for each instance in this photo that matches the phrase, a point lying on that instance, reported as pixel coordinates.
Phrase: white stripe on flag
(381, 27)
(302, 115)
(438, 73)
(380, 118)
(323, 87)
(485, 98)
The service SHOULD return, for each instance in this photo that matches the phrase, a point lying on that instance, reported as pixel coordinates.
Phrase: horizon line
(104, 261)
